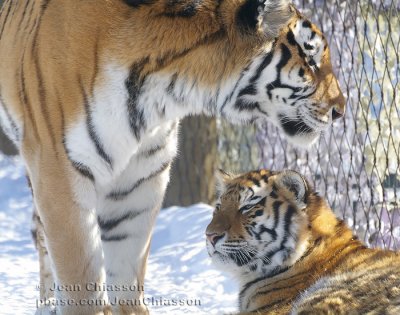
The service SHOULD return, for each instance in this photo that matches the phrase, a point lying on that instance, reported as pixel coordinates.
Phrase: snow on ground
(178, 266)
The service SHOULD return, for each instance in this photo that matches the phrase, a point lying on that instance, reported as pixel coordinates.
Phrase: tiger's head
(264, 222)
(246, 60)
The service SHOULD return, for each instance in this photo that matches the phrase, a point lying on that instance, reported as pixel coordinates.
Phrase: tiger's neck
(330, 243)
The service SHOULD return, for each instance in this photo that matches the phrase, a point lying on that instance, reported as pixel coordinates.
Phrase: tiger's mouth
(302, 131)
(294, 127)
(231, 253)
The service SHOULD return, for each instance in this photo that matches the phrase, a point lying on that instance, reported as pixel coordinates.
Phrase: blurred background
(356, 165)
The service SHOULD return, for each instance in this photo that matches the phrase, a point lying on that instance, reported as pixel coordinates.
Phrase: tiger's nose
(214, 237)
(337, 113)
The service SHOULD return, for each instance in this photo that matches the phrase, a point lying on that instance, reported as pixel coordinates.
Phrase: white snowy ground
(178, 266)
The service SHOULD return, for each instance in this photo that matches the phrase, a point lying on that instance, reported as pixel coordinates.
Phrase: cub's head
(260, 222)
(246, 60)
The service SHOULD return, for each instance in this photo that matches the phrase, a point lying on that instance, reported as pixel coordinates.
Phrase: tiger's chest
(114, 132)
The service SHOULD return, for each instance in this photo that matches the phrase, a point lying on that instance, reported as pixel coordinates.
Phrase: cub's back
(370, 285)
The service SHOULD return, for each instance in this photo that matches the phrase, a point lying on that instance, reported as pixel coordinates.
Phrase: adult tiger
(91, 92)
(291, 254)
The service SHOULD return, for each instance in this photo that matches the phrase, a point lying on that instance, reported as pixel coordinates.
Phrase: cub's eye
(245, 208)
(217, 207)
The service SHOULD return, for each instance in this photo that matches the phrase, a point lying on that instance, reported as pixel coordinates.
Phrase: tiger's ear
(276, 15)
(293, 184)
(221, 179)
(268, 16)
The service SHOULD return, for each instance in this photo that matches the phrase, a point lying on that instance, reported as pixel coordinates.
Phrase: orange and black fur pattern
(292, 255)
(91, 93)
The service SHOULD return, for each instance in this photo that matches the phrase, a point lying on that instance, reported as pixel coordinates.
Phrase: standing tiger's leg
(46, 275)
(71, 231)
(126, 216)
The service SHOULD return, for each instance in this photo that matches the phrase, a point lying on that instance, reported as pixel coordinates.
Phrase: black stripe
(43, 97)
(118, 195)
(266, 61)
(114, 238)
(28, 22)
(301, 274)
(288, 220)
(5, 19)
(307, 46)
(41, 90)
(61, 111)
(284, 288)
(263, 229)
(134, 84)
(275, 206)
(248, 90)
(95, 64)
(23, 95)
(153, 150)
(108, 225)
(313, 33)
(13, 12)
(274, 272)
(229, 97)
(291, 39)
(90, 127)
(296, 97)
(165, 60)
(150, 152)
(316, 243)
(285, 57)
(24, 13)
(171, 85)
(79, 166)
(82, 169)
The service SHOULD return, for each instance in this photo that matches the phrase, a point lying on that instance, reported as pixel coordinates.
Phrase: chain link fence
(356, 165)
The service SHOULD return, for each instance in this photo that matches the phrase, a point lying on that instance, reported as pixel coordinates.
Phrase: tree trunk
(6, 146)
(192, 175)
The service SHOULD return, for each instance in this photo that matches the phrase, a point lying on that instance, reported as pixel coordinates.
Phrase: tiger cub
(290, 253)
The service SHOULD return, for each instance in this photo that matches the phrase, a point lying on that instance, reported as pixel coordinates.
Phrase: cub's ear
(221, 179)
(268, 16)
(294, 185)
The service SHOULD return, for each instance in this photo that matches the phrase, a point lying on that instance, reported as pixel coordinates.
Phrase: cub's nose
(337, 113)
(214, 237)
